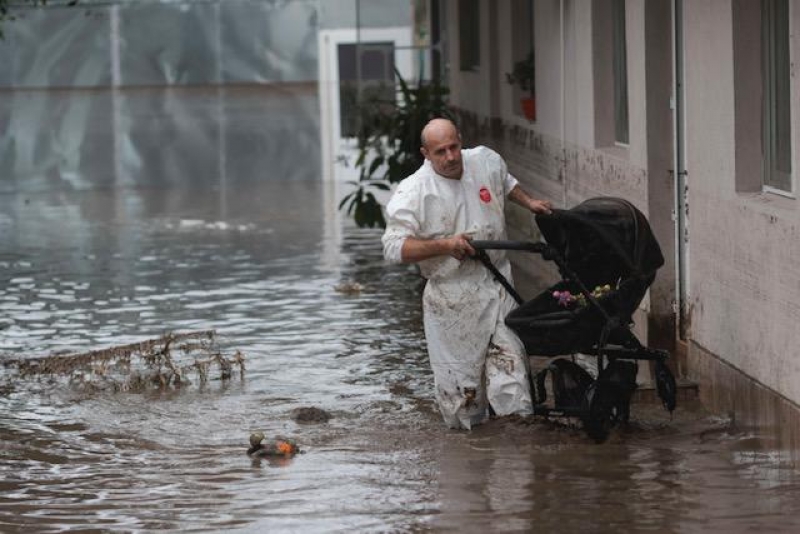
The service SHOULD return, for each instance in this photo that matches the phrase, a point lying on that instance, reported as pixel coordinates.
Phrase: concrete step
(647, 393)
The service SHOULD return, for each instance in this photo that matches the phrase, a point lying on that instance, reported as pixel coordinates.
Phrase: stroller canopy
(602, 240)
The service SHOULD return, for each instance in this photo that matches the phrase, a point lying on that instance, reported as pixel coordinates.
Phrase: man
(456, 196)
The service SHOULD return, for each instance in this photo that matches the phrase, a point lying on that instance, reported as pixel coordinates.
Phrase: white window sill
(771, 200)
(513, 119)
(618, 151)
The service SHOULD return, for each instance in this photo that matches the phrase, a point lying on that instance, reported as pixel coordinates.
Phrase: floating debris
(158, 363)
(310, 414)
(349, 288)
(279, 446)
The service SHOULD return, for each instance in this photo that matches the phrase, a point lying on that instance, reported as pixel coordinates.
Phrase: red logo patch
(486, 196)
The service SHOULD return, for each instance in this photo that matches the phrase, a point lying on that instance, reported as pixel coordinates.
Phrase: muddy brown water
(259, 262)
(264, 277)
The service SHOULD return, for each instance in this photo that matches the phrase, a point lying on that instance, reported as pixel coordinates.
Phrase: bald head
(441, 145)
(437, 128)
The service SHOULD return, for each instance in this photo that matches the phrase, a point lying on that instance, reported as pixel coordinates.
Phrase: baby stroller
(607, 257)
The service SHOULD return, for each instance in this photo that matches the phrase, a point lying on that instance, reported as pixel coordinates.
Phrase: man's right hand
(460, 247)
(415, 250)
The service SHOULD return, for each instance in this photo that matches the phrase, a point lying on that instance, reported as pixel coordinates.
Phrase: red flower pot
(529, 108)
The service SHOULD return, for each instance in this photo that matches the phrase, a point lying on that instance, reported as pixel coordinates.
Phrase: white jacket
(464, 307)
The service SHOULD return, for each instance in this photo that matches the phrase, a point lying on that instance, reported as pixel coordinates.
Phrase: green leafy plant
(524, 73)
(389, 145)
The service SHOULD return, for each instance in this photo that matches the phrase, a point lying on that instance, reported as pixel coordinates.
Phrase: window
(523, 72)
(610, 73)
(763, 96)
(469, 35)
(620, 63)
(371, 77)
(777, 117)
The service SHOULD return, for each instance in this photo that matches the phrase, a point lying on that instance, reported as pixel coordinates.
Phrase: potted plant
(524, 75)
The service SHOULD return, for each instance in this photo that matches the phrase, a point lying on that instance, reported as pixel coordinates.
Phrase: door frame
(334, 146)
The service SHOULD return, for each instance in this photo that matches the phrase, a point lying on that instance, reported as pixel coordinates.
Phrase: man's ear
(424, 151)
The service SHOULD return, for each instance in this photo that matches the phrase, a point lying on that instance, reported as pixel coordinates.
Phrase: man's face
(443, 149)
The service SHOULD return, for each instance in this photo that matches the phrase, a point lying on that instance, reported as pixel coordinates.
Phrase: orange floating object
(277, 447)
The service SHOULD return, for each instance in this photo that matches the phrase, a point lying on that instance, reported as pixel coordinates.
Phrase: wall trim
(749, 404)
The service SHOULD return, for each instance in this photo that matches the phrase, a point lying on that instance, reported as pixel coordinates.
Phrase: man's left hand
(540, 206)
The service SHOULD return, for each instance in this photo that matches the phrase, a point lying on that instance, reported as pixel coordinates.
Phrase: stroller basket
(548, 328)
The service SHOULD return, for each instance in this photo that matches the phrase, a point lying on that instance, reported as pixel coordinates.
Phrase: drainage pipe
(563, 111)
(680, 175)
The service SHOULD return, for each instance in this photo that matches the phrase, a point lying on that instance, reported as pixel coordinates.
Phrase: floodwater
(259, 261)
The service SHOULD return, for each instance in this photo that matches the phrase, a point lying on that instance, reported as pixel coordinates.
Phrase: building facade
(689, 111)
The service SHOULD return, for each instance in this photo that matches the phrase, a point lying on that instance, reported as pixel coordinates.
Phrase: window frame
(469, 35)
(771, 175)
(358, 82)
(622, 125)
(520, 52)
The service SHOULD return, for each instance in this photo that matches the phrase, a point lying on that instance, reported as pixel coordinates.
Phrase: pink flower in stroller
(565, 298)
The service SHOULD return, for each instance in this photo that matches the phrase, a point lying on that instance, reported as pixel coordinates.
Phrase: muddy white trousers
(477, 361)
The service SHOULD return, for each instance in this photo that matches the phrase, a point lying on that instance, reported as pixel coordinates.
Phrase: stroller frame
(603, 402)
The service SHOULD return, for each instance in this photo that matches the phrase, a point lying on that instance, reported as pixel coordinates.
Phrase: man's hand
(415, 250)
(460, 247)
(540, 206)
(521, 197)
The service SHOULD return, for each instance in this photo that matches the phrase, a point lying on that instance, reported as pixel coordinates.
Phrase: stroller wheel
(600, 411)
(665, 385)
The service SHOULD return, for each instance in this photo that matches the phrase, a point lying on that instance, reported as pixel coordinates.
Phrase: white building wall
(743, 268)
(745, 274)
(469, 89)
(547, 33)
(637, 152)
(584, 80)
(572, 118)
(559, 156)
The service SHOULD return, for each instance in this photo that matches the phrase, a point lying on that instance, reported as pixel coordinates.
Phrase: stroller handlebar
(509, 245)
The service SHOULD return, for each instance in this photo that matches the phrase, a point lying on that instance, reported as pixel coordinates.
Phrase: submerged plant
(161, 363)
